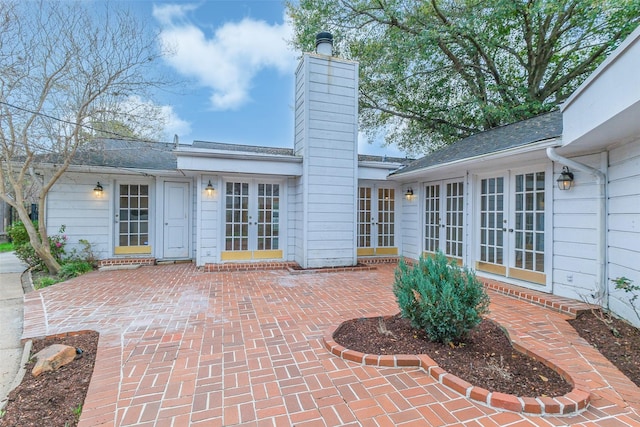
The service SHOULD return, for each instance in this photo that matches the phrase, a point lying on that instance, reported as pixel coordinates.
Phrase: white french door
(132, 219)
(444, 218)
(512, 225)
(376, 221)
(252, 220)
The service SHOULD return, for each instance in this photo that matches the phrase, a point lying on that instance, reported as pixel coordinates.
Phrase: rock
(52, 357)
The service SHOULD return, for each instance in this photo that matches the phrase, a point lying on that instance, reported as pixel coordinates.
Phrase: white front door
(176, 220)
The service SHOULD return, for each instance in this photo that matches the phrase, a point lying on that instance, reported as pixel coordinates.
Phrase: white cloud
(377, 147)
(152, 120)
(227, 62)
(173, 125)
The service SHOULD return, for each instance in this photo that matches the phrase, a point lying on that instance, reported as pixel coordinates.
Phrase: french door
(444, 218)
(252, 220)
(132, 219)
(376, 221)
(512, 226)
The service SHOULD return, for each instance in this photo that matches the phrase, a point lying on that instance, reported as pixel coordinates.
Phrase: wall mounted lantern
(565, 181)
(409, 194)
(97, 190)
(209, 189)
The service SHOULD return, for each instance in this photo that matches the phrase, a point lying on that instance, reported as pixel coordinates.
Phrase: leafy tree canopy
(433, 72)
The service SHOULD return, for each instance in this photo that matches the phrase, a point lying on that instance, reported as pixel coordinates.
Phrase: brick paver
(182, 347)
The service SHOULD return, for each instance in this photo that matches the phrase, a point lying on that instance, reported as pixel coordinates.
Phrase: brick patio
(181, 347)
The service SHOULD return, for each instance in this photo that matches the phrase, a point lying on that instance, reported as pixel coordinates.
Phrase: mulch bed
(622, 350)
(486, 358)
(53, 398)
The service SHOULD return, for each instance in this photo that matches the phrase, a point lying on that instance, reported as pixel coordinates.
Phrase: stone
(53, 357)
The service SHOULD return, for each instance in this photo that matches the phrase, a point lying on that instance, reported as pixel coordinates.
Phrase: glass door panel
(432, 218)
(376, 221)
(133, 219)
(444, 218)
(529, 227)
(268, 216)
(364, 222)
(454, 219)
(492, 222)
(386, 217)
(252, 221)
(236, 216)
(512, 226)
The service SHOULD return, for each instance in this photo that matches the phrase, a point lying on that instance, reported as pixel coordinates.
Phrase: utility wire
(123, 137)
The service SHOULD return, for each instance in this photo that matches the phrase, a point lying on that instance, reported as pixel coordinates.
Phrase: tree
(63, 67)
(433, 72)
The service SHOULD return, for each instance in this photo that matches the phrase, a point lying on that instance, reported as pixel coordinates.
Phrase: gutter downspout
(601, 249)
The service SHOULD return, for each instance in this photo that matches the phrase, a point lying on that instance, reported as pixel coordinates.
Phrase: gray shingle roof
(128, 154)
(244, 148)
(536, 129)
(284, 151)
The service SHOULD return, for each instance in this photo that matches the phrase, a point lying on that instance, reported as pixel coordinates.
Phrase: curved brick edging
(570, 404)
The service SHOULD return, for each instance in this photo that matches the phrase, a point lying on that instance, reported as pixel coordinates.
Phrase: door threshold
(174, 261)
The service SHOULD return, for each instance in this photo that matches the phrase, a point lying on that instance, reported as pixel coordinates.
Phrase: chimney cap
(324, 37)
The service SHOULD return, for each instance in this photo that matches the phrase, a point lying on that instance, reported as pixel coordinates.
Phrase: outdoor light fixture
(97, 190)
(565, 181)
(409, 194)
(209, 189)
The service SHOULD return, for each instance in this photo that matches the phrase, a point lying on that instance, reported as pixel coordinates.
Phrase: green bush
(71, 269)
(22, 246)
(45, 281)
(441, 298)
(25, 252)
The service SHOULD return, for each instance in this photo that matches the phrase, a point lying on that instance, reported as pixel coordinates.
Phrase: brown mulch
(622, 350)
(54, 398)
(485, 358)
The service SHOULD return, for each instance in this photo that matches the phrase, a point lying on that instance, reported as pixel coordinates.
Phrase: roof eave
(522, 149)
(241, 155)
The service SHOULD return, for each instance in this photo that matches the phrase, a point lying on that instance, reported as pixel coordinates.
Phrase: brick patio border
(570, 404)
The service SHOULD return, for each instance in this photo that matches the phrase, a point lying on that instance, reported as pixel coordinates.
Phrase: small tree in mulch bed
(438, 296)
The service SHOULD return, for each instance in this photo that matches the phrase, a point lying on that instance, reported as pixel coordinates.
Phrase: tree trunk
(44, 253)
(39, 242)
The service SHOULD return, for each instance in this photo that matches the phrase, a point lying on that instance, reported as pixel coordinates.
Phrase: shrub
(43, 282)
(85, 254)
(25, 252)
(23, 249)
(441, 298)
(73, 269)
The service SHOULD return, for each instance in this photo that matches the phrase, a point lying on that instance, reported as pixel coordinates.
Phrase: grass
(6, 247)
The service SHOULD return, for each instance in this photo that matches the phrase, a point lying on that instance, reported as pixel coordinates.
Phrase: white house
(490, 201)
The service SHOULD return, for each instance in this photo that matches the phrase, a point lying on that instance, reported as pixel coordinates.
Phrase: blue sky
(236, 71)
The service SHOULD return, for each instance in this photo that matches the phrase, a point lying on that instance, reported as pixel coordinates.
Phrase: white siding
(624, 224)
(209, 220)
(410, 221)
(325, 135)
(71, 203)
(294, 221)
(575, 233)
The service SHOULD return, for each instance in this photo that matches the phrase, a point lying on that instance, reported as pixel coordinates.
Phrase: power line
(38, 113)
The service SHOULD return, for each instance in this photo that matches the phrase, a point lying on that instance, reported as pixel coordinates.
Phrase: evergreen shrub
(438, 296)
